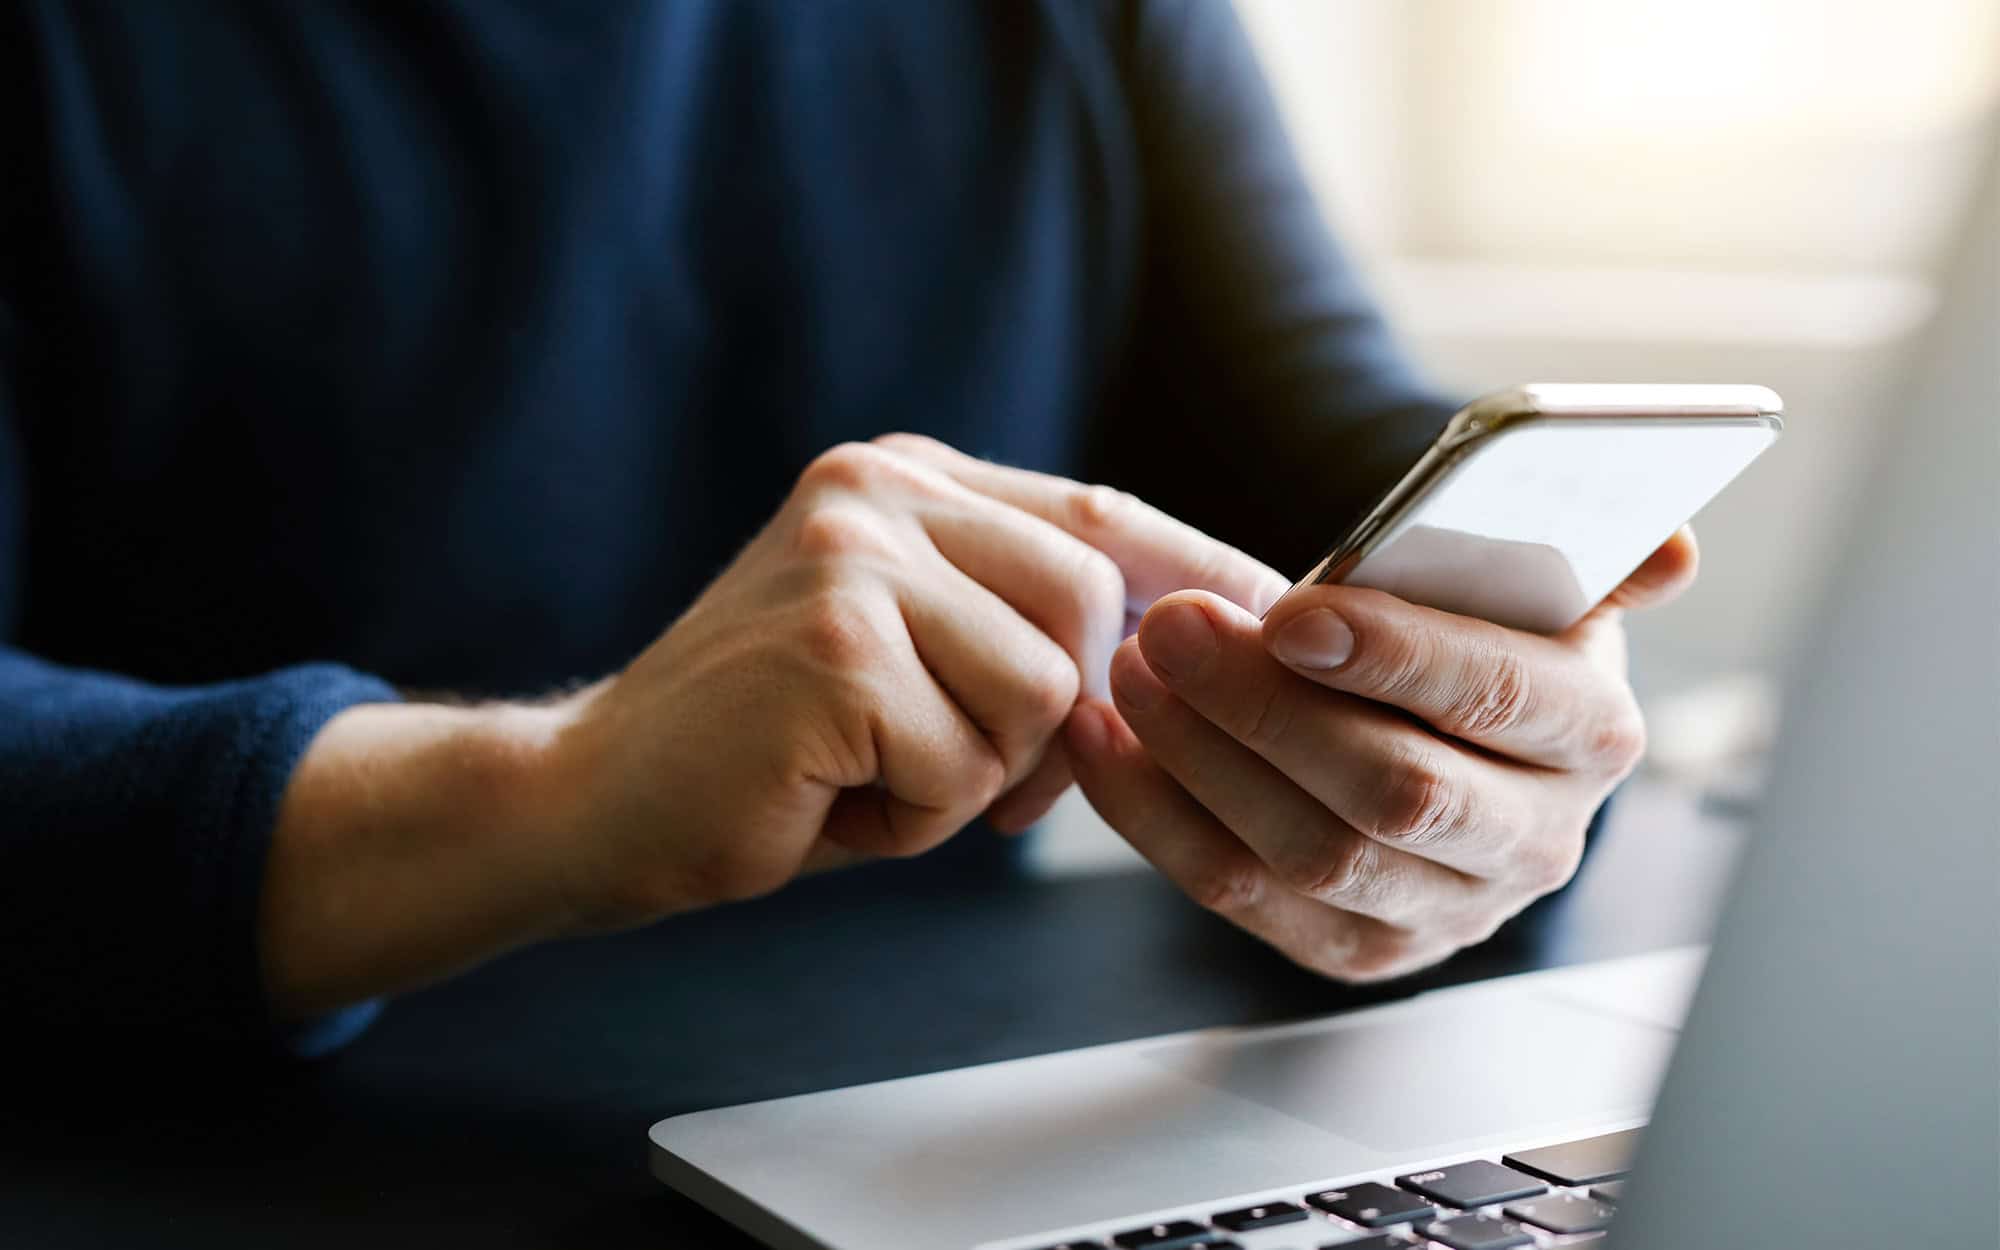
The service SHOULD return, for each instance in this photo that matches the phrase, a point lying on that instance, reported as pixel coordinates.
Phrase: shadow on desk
(509, 1108)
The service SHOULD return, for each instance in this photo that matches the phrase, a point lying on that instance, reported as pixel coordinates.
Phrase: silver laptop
(1837, 1082)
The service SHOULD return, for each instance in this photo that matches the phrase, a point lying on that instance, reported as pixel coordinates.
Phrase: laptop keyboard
(1550, 1196)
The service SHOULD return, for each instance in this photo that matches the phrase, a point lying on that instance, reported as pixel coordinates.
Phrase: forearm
(409, 846)
(1263, 396)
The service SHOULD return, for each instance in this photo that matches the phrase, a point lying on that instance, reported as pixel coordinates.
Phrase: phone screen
(1534, 525)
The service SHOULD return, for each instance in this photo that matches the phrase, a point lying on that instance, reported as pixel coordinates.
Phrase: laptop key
(1478, 1232)
(1076, 1245)
(1175, 1235)
(1269, 1215)
(1580, 1162)
(1382, 1241)
(1564, 1213)
(1609, 1191)
(1473, 1184)
(1371, 1205)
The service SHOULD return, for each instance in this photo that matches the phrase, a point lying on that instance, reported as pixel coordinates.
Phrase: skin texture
(918, 638)
(1371, 790)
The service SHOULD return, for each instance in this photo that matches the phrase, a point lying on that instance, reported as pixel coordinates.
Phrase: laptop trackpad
(1441, 1072)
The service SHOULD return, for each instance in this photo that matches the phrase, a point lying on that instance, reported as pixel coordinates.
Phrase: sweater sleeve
(134, 821)
(1264, 397)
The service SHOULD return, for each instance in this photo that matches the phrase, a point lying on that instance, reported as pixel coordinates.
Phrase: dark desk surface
(509, 1108)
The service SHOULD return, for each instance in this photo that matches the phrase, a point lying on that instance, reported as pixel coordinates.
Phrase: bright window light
(1731, 71)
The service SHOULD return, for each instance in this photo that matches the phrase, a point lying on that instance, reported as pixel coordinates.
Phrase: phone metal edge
(1492, 415)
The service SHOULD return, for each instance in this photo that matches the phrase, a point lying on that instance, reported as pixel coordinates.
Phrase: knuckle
(848, 466)
(1049, 693)
(1500, 701)
(839, 634)
(1418, 804)
(907, 443)
(837, 531)
(1547, 864)
(1618, 739)
(1100, 590)
(1268, 725)
(1096, 509)
(1391, 662)
(1338, 869)
(1228, 888)
(837, 739)
(987, 780)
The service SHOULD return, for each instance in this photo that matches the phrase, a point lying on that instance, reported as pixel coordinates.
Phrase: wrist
(410, 844)
(523, 782)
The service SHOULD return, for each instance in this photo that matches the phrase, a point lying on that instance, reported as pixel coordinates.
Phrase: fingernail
(1178, 639)
(1315, 639)
(1135, 683)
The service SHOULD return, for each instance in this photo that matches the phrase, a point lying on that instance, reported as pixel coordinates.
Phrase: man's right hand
(889, 658)
(892, 656)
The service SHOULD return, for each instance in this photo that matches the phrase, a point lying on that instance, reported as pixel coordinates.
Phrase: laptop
(1835, 1081)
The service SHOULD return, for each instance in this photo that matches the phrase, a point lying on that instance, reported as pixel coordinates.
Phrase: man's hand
(1365, 784)
(894, 654)
(891, 657)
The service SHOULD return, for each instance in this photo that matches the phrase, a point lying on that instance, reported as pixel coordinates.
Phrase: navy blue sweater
(348, 348)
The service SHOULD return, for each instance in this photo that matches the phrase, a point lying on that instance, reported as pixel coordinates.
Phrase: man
(353, 352)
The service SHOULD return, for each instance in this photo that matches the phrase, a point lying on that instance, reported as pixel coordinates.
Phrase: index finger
(1662, 576)
(1156, 553)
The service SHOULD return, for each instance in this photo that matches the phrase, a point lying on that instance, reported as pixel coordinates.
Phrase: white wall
(1659, 190)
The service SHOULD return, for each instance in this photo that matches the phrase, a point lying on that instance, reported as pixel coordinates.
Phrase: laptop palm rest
(1456, 1071)
(997, 1152)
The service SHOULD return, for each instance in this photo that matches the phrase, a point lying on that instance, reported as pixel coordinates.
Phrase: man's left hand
(1365, 784)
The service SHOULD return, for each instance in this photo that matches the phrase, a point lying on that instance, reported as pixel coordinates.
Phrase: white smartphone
(1537, 502)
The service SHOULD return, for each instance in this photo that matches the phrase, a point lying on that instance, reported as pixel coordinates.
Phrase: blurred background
(1662, 191)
